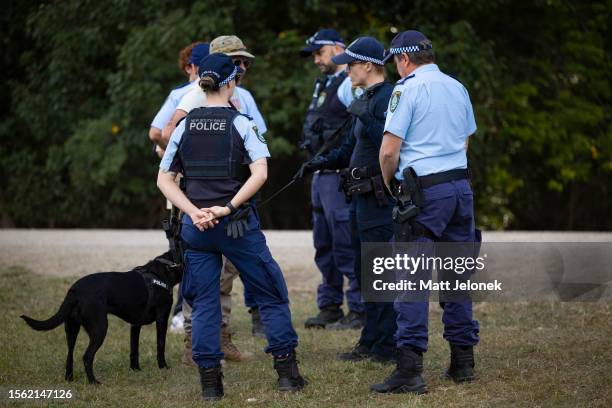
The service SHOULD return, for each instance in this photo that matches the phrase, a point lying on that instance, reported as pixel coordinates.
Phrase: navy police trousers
(371, 222)
(260, 274)
(334, 254)
(448, 213)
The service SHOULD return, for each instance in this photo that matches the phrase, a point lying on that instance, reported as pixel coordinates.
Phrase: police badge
(394, 100)
(321, 99)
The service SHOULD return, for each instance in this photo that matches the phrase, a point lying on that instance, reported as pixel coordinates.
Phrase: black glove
(238, 225)
(314, 164)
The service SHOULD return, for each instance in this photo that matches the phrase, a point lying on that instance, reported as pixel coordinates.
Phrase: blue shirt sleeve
(165, 113)
(251, 109)
(470, 120)
(254, 142)
(345, 92)
(399, 112)
(172, 148)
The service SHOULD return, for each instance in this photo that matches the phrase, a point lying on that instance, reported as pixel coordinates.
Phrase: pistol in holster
(409, 197)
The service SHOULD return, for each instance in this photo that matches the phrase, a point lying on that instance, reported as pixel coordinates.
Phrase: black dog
(141, 296)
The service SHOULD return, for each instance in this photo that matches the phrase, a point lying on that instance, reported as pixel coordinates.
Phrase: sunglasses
(353, 63)
(240, 61)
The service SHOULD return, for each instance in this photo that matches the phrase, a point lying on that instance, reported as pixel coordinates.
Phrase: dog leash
(326, 146)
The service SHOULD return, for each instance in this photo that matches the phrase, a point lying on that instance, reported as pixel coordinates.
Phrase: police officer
(189, 57)
(363, 184)
(428, 123)
(325, 125)
(223, 161)
(245, 103)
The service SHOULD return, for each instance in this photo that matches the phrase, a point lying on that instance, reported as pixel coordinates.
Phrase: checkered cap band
(411, 48)
(364, 57)
(312, 40)
(229, 78)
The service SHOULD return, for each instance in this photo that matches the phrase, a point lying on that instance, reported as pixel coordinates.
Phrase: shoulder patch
(259, 136)
(401, 81)
(356, 91)
(395, 98)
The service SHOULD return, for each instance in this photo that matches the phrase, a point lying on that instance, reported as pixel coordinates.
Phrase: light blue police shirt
(345, 90)
(433, 115)
(167, 110)
(249, 106)
(254, 142)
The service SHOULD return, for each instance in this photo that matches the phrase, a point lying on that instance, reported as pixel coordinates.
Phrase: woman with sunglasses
(223, 162)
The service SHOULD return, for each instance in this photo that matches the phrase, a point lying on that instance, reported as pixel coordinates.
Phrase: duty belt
(363, 180)
(443, 177)
(358, 173)
(412, 185)
(410, 201)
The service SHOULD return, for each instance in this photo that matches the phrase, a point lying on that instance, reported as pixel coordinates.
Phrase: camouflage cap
(230, 45)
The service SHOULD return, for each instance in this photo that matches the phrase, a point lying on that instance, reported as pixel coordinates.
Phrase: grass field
(545, 354)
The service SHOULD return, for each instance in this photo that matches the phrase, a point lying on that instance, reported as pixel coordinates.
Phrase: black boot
(211, 380)
(257, 329)
(461, 367)
(358, 353)
(383, 359)
(406, 377)
(327, 315)
(289, 378)
(352, 320)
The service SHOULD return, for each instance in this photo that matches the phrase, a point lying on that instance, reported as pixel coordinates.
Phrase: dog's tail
(55, 320)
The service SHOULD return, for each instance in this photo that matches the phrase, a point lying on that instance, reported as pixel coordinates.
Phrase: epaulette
(181, 86)
(401, 81)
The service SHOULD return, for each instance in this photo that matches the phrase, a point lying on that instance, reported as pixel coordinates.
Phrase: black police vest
(213, 156)
(325, 115)
(369, 110)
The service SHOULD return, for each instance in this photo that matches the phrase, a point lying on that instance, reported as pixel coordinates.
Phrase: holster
(403, 217)
(172, 228)
(409, 203)
(412, 187)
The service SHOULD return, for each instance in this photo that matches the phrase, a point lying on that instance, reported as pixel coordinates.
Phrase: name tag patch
(207, 124)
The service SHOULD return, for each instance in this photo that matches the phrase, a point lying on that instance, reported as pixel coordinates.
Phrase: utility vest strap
(151, 281)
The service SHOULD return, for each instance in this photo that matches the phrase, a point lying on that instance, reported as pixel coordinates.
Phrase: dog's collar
(168, 263)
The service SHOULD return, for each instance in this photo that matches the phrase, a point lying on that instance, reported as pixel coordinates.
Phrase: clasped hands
(205, 218)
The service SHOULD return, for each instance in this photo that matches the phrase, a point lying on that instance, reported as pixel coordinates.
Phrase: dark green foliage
(83, 79)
